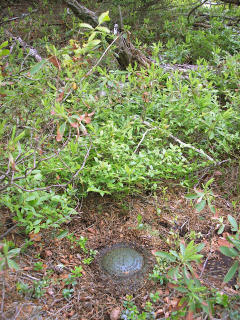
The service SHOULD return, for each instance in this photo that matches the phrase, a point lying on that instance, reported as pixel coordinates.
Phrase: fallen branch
(187, 145)
(195, 8)
(58, 185)
(23, 15)
(32, 52)
(140, 142)
(125, 51)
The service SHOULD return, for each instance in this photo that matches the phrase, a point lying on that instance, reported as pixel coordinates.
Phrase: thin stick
(8, 231)
(58, 185)
(143, 138)
(121, 19)
(194, 8)
(200, 151)
(100, 59)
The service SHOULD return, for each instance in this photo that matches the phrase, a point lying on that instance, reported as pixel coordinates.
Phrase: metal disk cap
(122, 261)
(123, 267)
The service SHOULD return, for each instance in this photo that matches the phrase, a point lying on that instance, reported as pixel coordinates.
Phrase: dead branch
(23, 15)
(125, 51)
(195, 8)
(187, 145)
(32, 52)
(60, 186)
(82, 12)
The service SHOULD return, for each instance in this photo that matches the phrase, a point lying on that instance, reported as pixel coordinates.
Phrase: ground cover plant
(93, 154)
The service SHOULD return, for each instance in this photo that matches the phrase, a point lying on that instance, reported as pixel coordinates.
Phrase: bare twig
(187, 145)
(3, 294)
(205, 263)
(32, 52)
(100, 59)
(195, 8)
(143, 138)
(58, 185)
(8, 231)
(120, 15)
(23, 15)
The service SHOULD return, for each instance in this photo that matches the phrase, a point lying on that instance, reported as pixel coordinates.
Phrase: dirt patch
(165, 217)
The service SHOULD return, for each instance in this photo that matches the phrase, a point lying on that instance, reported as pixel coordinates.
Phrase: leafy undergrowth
(91, 155)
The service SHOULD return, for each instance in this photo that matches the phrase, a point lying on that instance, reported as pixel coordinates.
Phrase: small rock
(115, 314)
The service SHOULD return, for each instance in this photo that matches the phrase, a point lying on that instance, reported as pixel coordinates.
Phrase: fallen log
(125, 51)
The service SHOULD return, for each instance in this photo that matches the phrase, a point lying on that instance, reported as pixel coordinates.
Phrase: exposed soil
(167, 218)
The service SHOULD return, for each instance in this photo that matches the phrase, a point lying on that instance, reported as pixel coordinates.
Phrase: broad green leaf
(200, 206)
(174, 273)
(103, 29)
(191, 196)
(200, 246)
(165, 255)
(13, 252)
(209, 182)
(182, 249)
(181, 289)
(92, 36)
(212, 208)
(93, 43)
(4, 44)
(62, 128)
(19, 137)
(196, 257)
(85, 25)
(62, 234)
(2, 263)
(231, 271)
(37, 67)
(36, 222)
(4, 52)
(12, 264)
(229, 252)
(31, 196)
(174, 253)
(103, 17)
(221, 229)
(233, 223)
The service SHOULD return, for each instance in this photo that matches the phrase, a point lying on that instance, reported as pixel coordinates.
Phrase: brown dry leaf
(55, 62)
(35, 236)
(60, 97)
(74, 124)
(81, 117)
(59, 135)
(48, 253)
(174, 302)
(115, 314)
(189, 315)
(50, 292)
(172, 285)
(224, 242)
(91, 230)
(87, 119)
(159, 312)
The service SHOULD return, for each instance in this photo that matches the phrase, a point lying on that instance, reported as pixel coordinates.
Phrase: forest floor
(167, 218)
